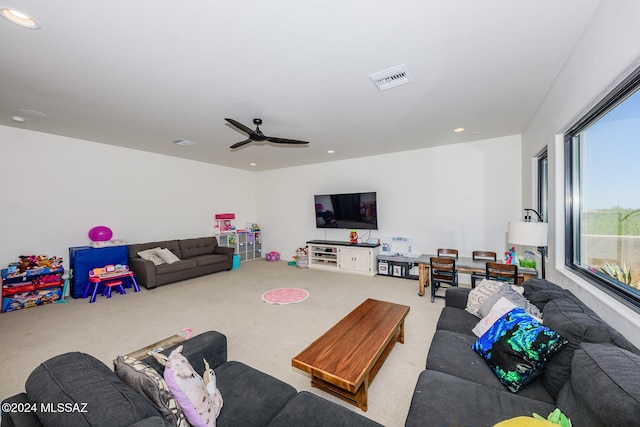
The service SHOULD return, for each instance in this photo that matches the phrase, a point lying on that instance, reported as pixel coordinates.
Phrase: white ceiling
(143, 73)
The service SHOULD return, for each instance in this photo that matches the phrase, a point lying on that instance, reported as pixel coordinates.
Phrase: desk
(97, 280)
(465, 265)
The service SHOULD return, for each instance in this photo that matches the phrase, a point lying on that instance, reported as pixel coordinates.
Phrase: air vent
(392, 77)
(183, 142)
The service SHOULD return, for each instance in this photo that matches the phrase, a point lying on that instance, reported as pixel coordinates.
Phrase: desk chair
(448, 253)
(482, 256)
(502, 272)
(442, 271)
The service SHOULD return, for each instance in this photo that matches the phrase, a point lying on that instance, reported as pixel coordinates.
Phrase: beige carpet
(262, 335)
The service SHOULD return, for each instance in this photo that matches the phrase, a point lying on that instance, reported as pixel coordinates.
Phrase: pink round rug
(285, 296)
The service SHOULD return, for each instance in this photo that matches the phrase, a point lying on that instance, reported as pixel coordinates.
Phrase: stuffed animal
(199, 399)
(44, 262)
(26, 263)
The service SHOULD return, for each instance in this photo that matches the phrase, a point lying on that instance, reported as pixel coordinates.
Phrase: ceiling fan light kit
(258, 136)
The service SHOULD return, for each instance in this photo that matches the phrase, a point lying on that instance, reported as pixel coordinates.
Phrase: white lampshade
(528, 233)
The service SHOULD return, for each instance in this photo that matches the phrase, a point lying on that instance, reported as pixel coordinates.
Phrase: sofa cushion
(172, 245)
(451, 353)
(308, 410)
(456, 320)
(251, 397)
(499, 309)
(540, 291)
(441, 399)
(167, 256)
(185, 264)
(479, 295)
(78, 378)
(576, 323)
(509, 293)
(150, 384)
(517, 347)
(198, 246)
(151, 255)
(604, 388)
(210, 259)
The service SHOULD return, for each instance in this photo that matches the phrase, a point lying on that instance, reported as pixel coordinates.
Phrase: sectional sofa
(153, 263)
(594, 378)
(78, 390)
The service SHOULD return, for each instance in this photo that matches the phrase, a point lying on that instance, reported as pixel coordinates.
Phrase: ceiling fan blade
(240, 126)
(240, 144)
(285, 141)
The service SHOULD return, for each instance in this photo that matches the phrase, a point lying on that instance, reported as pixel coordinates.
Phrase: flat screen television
(347, 211)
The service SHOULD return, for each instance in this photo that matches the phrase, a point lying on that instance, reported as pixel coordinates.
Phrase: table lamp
(530, 233)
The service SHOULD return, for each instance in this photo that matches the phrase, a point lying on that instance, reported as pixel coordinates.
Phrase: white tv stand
(343, 257)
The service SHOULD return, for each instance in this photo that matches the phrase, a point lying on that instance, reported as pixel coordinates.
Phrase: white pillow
(167, 256)
(498, 310)
(150, 255)
(479, 295)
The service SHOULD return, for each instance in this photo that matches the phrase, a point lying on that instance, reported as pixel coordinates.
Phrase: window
(543, 185)
(602, 155)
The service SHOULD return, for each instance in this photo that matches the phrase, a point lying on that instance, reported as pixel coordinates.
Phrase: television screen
(348, 211)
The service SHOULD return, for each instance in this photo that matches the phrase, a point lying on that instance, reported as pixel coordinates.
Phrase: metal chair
(442, 270)
(481, 256)
(448, 253)
(502, 272)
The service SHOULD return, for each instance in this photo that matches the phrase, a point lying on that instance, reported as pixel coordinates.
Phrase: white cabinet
(343, 257)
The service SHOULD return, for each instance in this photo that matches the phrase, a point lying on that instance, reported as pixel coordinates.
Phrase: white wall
(54, 189)
(608, 52)
(458, 196)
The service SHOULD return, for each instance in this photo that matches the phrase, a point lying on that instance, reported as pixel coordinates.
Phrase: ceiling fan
(257, 135)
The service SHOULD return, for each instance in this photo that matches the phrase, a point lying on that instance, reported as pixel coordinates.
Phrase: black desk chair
(448, 253)
(442, 270)
(482, 256)
(502, 272)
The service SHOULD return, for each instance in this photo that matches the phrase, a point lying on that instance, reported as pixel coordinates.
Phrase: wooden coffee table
(344, 360)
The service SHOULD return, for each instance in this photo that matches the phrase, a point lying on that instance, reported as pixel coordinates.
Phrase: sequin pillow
(517, 347)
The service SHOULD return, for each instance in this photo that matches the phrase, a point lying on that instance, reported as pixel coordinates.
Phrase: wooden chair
(448, 253)
(502, 272)
(482, 256)
(442, 270)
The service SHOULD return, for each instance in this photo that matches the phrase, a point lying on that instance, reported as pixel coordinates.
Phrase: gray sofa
(594, 379)
(97, 397)
(198, 256)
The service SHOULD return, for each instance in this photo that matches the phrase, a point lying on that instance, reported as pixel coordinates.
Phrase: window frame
(572, 158)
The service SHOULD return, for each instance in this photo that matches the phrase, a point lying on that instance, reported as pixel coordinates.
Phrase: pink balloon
(100, 233)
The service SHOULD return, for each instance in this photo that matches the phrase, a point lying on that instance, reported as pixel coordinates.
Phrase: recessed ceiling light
(458, 130)
(19, 18)
(33, 113)
(18, 119)
(183, 142)
(252, 164)
(331, 151)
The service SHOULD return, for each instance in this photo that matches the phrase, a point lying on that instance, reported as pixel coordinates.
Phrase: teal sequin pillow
(517, 347)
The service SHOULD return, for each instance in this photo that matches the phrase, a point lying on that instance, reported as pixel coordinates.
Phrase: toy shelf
(31, 288)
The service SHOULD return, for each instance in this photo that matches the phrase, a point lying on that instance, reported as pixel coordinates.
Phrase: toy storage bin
(272, 256)
(31, 299)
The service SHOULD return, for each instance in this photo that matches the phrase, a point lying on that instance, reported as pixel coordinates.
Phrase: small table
(105, 278)
(463, 265)
(344, 361)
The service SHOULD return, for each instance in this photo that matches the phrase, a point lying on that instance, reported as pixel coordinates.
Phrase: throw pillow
(148, 382)
(479, 295)
(150, 255)
(513, 296)
(167, 256)
(498, 310)
(200, 404)
(517, 347)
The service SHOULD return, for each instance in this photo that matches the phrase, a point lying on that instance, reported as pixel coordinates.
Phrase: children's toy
(273, 256)
(100, 233)
(353, 237)
(511, 257)
(199, 398)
